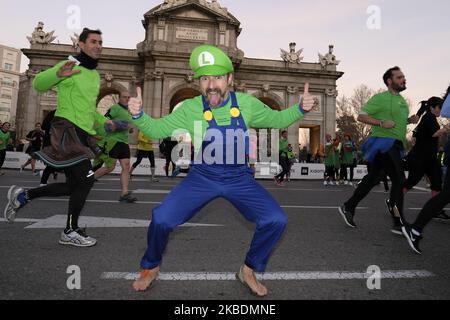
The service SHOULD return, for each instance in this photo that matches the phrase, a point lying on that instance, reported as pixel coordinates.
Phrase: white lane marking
(57, 221)
(422, 189)
(21, 220)
(148, 202)
(319, 207)
(298, 189)
(151, 191)
(422, 208)
(292, 275)
(100, 201)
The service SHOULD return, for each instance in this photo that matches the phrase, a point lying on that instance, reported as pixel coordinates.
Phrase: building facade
(9, 82)
(160, 64)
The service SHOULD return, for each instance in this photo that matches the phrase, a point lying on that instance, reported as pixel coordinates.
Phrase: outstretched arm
(46, 80)
(155, 128)
(265, 117)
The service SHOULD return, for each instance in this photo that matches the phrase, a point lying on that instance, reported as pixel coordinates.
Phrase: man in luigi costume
(218, 121)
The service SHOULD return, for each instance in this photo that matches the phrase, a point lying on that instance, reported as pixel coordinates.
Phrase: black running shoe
(413, 239)
(348, 216)
(127, 198)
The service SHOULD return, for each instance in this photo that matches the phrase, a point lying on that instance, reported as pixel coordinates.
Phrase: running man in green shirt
(118, 148)
(387, 113)
(328, 152)
(283, 154)
(72, 143)
(348, 151)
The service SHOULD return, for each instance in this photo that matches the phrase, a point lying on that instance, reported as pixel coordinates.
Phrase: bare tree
(347, 112)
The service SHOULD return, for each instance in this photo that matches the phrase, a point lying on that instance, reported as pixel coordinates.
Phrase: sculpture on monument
(329, 58)
(292, 56)
(331, 93)
(40, 36)
(75, 40)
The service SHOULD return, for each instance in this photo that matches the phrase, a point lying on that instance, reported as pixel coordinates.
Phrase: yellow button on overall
(235, 112)
(208, 115)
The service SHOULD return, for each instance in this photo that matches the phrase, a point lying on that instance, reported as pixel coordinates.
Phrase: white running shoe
(13, 204)
(77, 238)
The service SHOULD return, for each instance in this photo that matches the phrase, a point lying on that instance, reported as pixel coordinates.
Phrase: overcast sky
(412, 34)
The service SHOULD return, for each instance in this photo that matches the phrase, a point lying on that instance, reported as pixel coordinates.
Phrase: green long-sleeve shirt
(118, 112)
(77, 95)
(4, 138)
(189, 117)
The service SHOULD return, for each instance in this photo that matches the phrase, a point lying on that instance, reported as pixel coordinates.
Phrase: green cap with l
(208, 60)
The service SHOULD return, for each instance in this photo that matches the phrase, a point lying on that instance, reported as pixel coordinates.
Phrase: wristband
(300, 107)
(139, 115)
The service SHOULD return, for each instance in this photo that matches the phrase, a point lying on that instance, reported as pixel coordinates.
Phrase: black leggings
(383, 176)
(141, 154)
(284, 163)
(419, 165)
(46, 174)
(330, 173)
(344, 173)
(79, 181)
(168, 161)
(389, 163)
(433, 206)
(2, 157)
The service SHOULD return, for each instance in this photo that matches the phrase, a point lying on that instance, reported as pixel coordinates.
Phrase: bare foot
(247, 276)
(146, 278)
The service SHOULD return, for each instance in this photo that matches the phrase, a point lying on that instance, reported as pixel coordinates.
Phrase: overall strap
(208, 115)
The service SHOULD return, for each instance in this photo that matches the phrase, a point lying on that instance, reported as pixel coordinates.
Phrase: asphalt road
(319, 257)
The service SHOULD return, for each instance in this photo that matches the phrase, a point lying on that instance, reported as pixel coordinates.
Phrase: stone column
(330, 112)
(314, 140)
(29, 106)
(158, 77)
(293, 97)
(147, 93)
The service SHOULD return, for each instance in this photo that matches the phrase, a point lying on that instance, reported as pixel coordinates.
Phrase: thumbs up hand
(135, 103)
(307, 101)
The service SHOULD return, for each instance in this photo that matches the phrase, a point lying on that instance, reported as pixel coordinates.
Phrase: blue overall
(206, 182)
